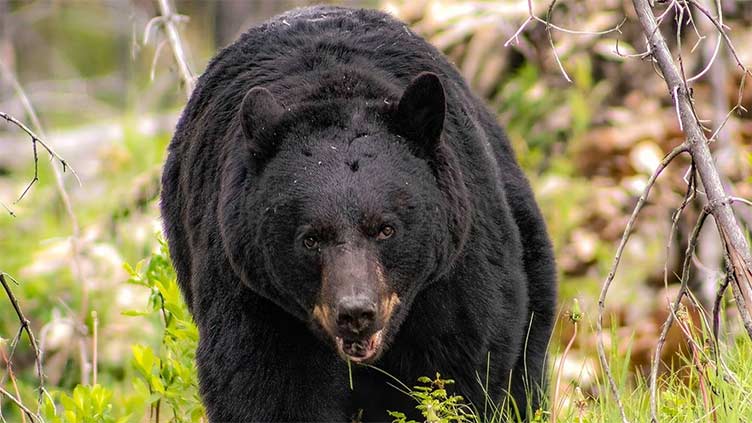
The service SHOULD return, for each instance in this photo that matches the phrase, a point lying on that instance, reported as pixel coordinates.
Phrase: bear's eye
(385, 232)
(310, 242)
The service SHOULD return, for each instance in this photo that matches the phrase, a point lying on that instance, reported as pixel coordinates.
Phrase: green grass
(680, 398)
(727, 381)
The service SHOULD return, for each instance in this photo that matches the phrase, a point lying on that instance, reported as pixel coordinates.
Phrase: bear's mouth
(361, 350)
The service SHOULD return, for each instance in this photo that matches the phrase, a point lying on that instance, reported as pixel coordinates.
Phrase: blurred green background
(108, 96)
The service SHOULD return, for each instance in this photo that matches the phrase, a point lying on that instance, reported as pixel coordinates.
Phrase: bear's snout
(354, 306)
(356, 317)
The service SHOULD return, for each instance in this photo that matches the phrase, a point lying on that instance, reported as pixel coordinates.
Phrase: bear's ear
(258, 112)
(421, 110)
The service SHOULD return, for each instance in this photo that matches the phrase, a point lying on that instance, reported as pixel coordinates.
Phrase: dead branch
(735, 245)
(25, 327)
(688, 197)
(717, 306)
(718, 23)
(76, 268)
(687, 328)
(73, 142)
(532, 17)
(617, 259)
(551, 41)
(11, 376)
(168, 19)
(31, 415)
(691, 244)
(732, 237)
(34, 141)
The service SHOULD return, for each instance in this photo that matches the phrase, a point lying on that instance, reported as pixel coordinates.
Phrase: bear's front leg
(272, 369)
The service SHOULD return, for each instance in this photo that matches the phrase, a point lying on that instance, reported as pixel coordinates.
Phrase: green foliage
(166, 381)
(435, 403)
(681, 399)
(167, 375)
(86, 404)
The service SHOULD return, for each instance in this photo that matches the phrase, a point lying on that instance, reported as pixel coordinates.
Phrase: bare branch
(549, 26)
(94, 347)
(25, 326)
(671, 315)
(574, 316)
(710, 62)
(617, 28)
(34, 141)
(153, 69)
(76, 268)
(718, 23)
(717, 306)
(11, 376)
(168, 21)
(10, 212)
(688, 197)
(17, 401)
(551, 41)
(515, 36)
(617, 259)
(735, 244)
(741, 200)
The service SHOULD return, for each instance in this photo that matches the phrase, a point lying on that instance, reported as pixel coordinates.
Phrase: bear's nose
(355, 316)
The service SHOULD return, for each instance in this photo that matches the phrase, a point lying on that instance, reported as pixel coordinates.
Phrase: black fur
(300, 127)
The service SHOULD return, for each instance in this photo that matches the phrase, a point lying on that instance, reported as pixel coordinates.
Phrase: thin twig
(574, 316)
(653, 382)
(11, 376)
(168, 20)
(717, 308)
(153, 70)
(688, 197)
(735, 244)
(665, 13)
(551, 41)
(716, 357)
(26, 327)
(515, 36)
(10, 212)
(722, 32)
(75, 263)
(571, 31)
(94, 347)
(36, 140)
(549, 26)
(684, 322)
(33, 416)
(59, 184)
(710, 62)
(741, 200)
(617, 259)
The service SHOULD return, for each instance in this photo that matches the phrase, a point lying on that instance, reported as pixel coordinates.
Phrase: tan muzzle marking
(389, 305)
(321, 313)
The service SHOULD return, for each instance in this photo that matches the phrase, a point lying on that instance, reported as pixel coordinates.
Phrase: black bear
(334, 192)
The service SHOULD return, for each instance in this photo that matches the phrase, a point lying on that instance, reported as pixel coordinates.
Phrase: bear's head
(341, 211)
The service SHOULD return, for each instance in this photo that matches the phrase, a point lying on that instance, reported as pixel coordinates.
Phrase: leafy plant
(436, 404)
(167, 375)
(86, 404)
